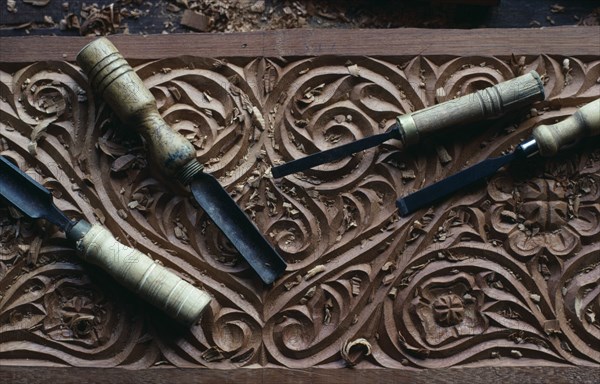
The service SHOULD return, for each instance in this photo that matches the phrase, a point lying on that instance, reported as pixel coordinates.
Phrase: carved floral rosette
(505, 273)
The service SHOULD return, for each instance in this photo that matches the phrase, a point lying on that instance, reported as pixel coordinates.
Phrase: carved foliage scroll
(505, 273)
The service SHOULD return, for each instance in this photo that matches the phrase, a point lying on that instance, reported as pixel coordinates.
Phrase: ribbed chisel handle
(487, 103)
(584, 122)
(142, 275)
(111, 77)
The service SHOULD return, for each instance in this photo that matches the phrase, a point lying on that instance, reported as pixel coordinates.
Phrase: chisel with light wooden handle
(96, 245)
(112, 78)
(411, 128)
(547, 141)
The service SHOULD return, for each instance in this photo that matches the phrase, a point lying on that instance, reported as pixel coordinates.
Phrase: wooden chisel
(547, 140)
(114, 80)
(95, 244)
(411, 128)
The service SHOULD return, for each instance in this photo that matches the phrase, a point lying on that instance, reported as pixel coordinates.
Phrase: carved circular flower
(543, 214)
(448, 308)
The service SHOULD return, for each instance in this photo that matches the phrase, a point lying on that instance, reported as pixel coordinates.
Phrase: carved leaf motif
(508, 270)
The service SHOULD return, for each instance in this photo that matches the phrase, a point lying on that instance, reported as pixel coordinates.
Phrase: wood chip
(440, 95)
(408, 174)
(37, 134)
(535, 298)
(393, 293)
(258, 7)
(123, 163)
(443, 154)
(213, 354)
(354, 351)
(11, 6)
(290, 284)
(354, 70)
(111, 149)
(315, 271)
(327, 312)
(195, 21)
(552, 327)
(34, 251)
(308, 295)
(355, 284)
(388, 266)
(387, 280)
(37, 3)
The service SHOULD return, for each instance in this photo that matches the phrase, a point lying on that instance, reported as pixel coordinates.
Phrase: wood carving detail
(504, 274)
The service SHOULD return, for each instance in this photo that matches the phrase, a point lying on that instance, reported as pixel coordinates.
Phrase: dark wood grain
(558, 42)
(580, 41)
(500, 375)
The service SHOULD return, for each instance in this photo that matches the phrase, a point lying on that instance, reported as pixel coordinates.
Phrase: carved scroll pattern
(504, 274)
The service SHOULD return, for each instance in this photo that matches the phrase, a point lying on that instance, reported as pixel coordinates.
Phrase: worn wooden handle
(487, 103)
(142, 275)
(113, 79)
(583, 123)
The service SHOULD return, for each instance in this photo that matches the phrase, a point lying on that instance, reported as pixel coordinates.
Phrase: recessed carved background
(506, 273)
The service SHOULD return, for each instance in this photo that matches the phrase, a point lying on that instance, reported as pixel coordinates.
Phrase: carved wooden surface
(504, 274)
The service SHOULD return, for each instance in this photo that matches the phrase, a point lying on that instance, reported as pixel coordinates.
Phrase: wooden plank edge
(488, 375)
(564, 41)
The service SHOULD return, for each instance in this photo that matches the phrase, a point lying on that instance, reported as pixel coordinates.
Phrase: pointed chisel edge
(237, 227)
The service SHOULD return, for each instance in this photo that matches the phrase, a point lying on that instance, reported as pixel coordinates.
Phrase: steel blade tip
(402, 207)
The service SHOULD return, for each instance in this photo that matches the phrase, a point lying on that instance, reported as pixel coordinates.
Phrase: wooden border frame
(563, 41)
(560, 41)
(488, 375)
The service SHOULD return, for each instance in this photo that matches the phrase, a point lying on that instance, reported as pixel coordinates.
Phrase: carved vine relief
(506, 273)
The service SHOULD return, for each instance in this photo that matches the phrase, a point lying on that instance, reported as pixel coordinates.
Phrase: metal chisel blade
(333, 154)
(451, 184)
(237, 227)
(31, 198)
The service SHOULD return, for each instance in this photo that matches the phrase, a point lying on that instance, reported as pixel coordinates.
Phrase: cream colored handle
(584, 122)
(142, 275)
(487, 103)
(113, 79)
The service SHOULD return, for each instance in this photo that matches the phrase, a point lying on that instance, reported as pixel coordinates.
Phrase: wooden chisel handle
(142, 275)
(113, 79)
(583, 123)
(487, 103)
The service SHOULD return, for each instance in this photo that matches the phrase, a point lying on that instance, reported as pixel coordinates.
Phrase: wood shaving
(37, 3)
(213, 354)
(315, 271)
(11, 6)
(195, 21)
(355, 284)
(123, 163)
(354, 351)
(308, 295)
(443, 155)
(354, 70)
(37, 133)
(327, 312)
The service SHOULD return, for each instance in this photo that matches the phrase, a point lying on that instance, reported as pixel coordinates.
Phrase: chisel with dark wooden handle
(115, 81)
(95, 244)
(411, 128)
(547, 140)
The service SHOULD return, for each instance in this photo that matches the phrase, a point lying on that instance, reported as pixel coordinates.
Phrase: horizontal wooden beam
(568, 41)
(488, 375)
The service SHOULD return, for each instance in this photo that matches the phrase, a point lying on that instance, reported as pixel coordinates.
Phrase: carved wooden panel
(505, 273)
